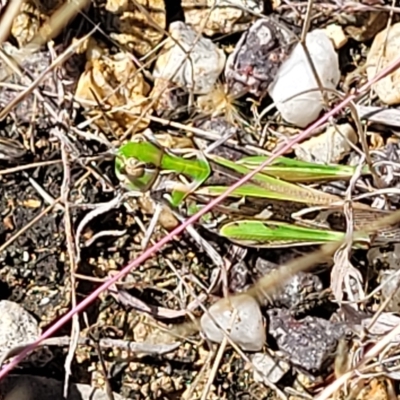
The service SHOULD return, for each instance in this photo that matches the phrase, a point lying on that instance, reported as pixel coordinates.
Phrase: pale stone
(241, 317)
(189, 60)
(295, 89)
(329, 147)
(379, 57)
(17, 326)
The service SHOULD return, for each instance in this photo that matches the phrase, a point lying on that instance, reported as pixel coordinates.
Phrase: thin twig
(65, 188)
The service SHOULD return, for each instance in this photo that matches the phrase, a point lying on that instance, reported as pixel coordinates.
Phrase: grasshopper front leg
(197, 170)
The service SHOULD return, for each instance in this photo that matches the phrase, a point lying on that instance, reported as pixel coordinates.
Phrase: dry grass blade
(56, 23)
(11, 12)
(343, 271)
(380, 115)
(72, 256)
(64, 341)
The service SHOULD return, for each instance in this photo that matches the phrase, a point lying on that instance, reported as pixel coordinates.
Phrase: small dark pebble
(308, 343)
(296, 289)
(257, 56)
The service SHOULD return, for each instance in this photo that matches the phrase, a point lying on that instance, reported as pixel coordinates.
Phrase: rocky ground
(74, 92)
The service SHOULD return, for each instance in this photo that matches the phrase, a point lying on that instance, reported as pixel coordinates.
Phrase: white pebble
(329, 147)
(17, 326)
(198, 71)
(295, 76)
(245, 327)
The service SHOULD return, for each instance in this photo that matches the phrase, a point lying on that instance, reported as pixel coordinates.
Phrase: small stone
(328, 148)
(171, 100)
(257, 57)
(212, 17)
(17, 326)
(384, 50)
(336, 34)
(295, 290)
(307, 343)
(267, 367)
(167, 219)
(25, 256)
(295, 90)
(246, 328)
(197, 72)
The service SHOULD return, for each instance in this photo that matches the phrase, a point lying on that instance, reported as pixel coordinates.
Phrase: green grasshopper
(139, 164)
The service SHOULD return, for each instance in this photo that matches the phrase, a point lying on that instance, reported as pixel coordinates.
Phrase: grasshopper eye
(133, 168)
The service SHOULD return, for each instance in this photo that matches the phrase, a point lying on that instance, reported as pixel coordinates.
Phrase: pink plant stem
(133, 264)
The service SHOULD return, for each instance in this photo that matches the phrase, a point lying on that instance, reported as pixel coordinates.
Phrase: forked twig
(65, 190)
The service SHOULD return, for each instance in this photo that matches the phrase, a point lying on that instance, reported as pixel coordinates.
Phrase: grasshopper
(266, 212)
